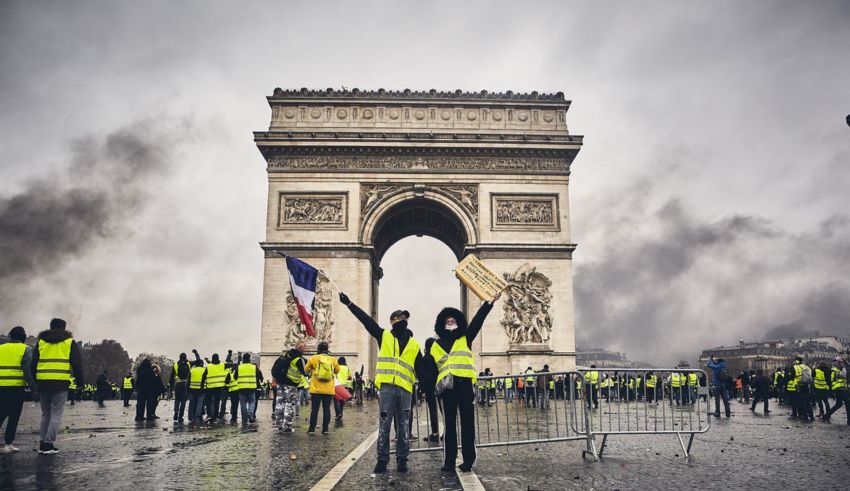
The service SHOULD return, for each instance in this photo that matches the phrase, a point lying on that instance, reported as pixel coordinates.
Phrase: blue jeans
(196, 406)
(247, 403)
(395, 404)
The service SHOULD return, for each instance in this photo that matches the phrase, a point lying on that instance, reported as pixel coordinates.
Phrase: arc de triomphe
(352, 172)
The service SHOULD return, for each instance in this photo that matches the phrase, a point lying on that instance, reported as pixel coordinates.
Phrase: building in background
(769, 355)
(602, 358)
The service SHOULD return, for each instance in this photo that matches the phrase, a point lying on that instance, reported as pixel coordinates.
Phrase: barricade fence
(545, 407)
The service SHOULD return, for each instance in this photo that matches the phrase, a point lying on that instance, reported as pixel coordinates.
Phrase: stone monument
(351, 172)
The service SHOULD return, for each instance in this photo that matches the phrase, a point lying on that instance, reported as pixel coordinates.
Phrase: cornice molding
(408, 94)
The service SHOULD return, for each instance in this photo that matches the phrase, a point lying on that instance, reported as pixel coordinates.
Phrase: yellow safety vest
(293, 373)
(650, 381)
(247, 376)
(305, 383)
(128, 382)
(215, 375)
(11, 368)
(394, 367)
(509, 383)
(72, 385)
(820, 379)
(54, 360)
(837, 383)
(592, 377)
(675, 380)
(343, 374)
(792, 384)
(693, 381)
(551, 385)
(196, 375)
(460, 362)
(231, 384)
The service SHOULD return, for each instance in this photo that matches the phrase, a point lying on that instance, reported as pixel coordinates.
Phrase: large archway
(351, 173)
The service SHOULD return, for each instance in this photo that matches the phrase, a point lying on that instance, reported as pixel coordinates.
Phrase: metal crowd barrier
(578, 411)
(628, 405)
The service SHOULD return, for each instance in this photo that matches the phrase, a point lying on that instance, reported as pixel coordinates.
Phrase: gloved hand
(344, 299)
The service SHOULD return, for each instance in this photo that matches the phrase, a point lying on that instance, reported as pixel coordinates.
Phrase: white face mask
(451, 327)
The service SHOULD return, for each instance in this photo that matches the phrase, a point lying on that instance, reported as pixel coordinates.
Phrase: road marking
(333, 477)
(469, 481)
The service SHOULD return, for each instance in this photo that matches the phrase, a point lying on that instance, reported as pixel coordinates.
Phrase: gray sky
(709, 202)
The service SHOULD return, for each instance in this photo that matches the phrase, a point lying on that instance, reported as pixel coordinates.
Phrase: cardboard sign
(477, 277)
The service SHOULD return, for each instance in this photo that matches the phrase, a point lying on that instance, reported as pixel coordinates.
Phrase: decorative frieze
(525, 212)
(314, 210)
(416, 162)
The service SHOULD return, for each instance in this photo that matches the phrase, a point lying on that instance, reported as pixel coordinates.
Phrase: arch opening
(419, 216)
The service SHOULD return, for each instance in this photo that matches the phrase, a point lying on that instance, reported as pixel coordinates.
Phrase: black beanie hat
(18, 334)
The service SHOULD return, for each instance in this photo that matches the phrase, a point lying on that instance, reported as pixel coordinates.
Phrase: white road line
(469, 481)
(333, 477)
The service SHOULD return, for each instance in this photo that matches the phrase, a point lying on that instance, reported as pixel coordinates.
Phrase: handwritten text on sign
(477, 277)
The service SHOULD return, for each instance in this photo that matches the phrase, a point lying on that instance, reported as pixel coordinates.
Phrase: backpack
(324, 370)
(281, 366)
(806, 375)
(724, 374)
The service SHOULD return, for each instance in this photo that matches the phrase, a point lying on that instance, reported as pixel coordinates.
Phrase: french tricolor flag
(302, 278)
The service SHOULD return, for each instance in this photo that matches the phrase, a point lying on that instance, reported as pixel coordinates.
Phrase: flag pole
(317, 269)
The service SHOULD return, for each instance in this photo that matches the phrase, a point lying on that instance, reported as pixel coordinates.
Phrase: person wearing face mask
(399, 361)
(451, 354)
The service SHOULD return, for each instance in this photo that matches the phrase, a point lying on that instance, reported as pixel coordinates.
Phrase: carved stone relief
(323, 316)
(526, 305)
(524, 164)
(465, 195)
(525, 212)
(305, 210)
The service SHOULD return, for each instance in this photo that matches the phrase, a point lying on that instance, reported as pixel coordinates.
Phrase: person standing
(178, 383)
(761, 388)
(321, 367)
(148, 388)
(450, 355)
(719, 376)
(103, 389)
(127, 388)
(289, 372)
(15, 376)
(248, 381)
(509, 388)
(399, 361)
(530, 394)
(840, 388)
(345, 379)
(215, 387)
(197, 387)
(591, 387)
(822, 385)
(803, 375)
(55, 359)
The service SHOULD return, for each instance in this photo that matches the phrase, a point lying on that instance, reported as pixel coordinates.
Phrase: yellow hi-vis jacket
(215, 375)
(460, 362)
(196, 378)
(246, 376)
(54, 360)
(128, 383)
(395, 367)
(11, 368)
(820, 379)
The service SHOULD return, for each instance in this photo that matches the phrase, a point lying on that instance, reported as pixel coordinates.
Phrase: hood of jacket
(440, 324)
(55, 335)
(293, 354)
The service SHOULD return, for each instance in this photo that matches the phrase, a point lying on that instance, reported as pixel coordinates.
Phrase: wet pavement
(104, 448)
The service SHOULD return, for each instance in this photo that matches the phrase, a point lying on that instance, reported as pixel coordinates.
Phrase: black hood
(440, 323)
(55, 335)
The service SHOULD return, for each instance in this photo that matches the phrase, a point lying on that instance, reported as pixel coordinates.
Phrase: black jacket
(57, 336)
(281, 366)
(761, 385)
(148, 383)
(447, 338)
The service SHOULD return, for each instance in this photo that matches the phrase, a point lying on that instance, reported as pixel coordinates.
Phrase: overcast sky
(710, 201)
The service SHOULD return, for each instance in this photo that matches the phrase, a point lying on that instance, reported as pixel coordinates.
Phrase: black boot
(380, 467)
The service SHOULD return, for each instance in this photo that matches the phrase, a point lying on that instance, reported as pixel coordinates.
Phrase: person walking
(216, 375)
(719, 376)
(322, 368)
(840, 388)
(822, 384)
(248, 380)
(803, 376)
(178, 383)
(761, 390)
(15, 376)
(197, 384)
(55, 359)
(103, 389)
(399, 361)
(289, 372)
(345, 378)
(591, 387)
(127, 388)
(450, 357)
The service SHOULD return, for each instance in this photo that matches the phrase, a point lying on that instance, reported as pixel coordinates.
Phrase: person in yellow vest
(675, 380)
(127, 388)
(399, 361)
(451, 357)
(225, 391)
(72, 391)
(197, 383)
(649, 384)
(530, 394)
(693, 385)
(591, 387)
(248, 380)
(322, 368)
(178, 382)
(509, 388)
(216, 376)
(346, 379)
(822, 382)
(55, 359)
(791, 377)
(289, 372)
(232, 388)
(840, 389)
(15, 376)
(803, 376)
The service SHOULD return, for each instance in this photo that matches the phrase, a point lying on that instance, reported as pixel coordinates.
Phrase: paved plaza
(104, 448)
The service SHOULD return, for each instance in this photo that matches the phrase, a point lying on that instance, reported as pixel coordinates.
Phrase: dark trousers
(213, 400)
(234, 405)
(759, 397)
(530, 395)
(145, 402)
(180, 397)
(461, 399)
(842, 398)
(591, 395)
(127, 393)
(804, 406)
(431, 399)
(339, 407)
(11, 405)
(325, 401)
(822, 398)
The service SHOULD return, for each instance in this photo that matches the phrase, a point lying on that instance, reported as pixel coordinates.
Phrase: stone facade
(352, 172)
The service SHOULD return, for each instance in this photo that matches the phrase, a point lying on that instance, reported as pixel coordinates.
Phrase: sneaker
(311, 432)
(434, 438)
(402, 466)
(324, 432)
(47, 448)
(12, 448)
(380, 467)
